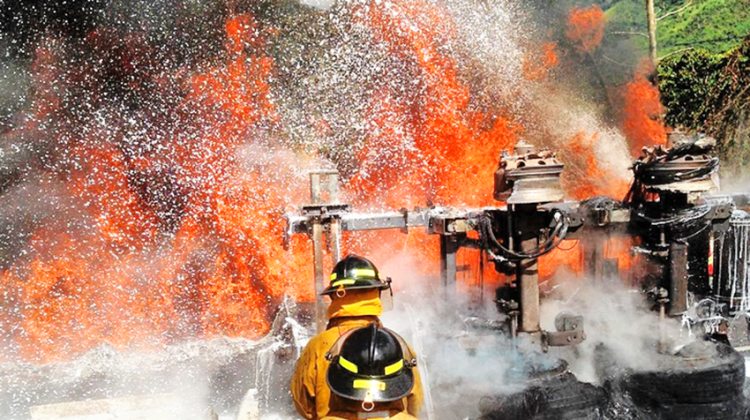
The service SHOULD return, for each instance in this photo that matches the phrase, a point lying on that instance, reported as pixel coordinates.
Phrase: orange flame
(209, 261)
(567, 255)
(585, 28)
(620, 247)
(217, 273)
(453, 146)
(585, 178)
(535, 68)
(642, 112)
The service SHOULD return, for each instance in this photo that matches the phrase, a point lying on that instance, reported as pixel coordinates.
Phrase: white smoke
(619, 322)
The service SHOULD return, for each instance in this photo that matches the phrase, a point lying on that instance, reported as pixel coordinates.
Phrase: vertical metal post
(321, 309)
(448, 249)
(591, 259)
(511, 209)
(334, 239)
(678, 278)
(528, 275)
(710, 268)
(663, 347)
(323, 190)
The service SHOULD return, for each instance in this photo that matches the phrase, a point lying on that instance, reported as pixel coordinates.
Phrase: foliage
(687, 81)
(715, 25)
(703, 75)
(710, 92)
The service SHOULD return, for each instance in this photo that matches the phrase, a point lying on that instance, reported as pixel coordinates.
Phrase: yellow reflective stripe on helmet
(351, 367)
(370, 384)
(394, 367)
(333, 276)
(345, 282)
(363, 272)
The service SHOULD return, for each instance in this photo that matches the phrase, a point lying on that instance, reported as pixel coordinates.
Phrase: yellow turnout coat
(311, 394)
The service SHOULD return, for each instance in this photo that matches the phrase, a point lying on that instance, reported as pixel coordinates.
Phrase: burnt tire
(568, 399)
(557, 397)
(715, 375)
(734, 410)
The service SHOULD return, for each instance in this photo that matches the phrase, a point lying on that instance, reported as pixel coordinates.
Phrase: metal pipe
(514, 324)
(334, 239)
(678, 278)
(448, 269)
(593, 250)
(510, 227)
(321, 309)
(528, 276)
(323, 190)
(662, 334)
(710, 268)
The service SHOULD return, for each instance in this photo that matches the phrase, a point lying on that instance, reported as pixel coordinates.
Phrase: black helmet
(371, 364)
(354, 272)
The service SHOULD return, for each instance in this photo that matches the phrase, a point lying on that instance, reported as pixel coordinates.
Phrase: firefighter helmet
(371, 364)
(355, 272)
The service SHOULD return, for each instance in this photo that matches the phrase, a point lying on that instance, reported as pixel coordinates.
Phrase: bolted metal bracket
(569, 332)
(562, 338)
(324, 211)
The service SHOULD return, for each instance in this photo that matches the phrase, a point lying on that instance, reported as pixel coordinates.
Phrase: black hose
(560, 231)
(642, 173)
(696, 213)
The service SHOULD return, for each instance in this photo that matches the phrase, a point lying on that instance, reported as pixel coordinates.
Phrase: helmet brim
(341, 382)
(332, 290)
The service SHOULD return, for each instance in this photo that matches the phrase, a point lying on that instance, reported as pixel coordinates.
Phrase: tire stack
(704, 381)
(552, 395)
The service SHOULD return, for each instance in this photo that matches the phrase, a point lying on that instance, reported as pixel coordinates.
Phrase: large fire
(642, 109)
(585, 28)
(172, 233)
(182, 240)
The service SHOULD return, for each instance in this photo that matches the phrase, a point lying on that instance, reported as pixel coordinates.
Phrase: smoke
(605, 162)
(491, 50)
(736, 184)
(14, 90)
(623, 329)
(183, 380)
(320, 4)
(160, 147)
(465, 355)
(459, 365)
(507, 69)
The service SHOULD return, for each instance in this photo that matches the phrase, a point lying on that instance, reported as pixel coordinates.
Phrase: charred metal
(689, 239)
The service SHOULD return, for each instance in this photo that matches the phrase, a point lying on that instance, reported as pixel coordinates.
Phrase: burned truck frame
(675, 224)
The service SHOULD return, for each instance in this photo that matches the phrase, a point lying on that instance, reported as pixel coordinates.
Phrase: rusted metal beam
(323, 194)
(321, 308)
(528, 276)
(448, 248)
(678, 278)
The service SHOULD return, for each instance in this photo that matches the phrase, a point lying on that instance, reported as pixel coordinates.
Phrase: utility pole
(651, 14)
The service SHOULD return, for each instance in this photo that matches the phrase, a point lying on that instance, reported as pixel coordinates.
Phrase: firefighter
(355, 291)
(370, 374)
